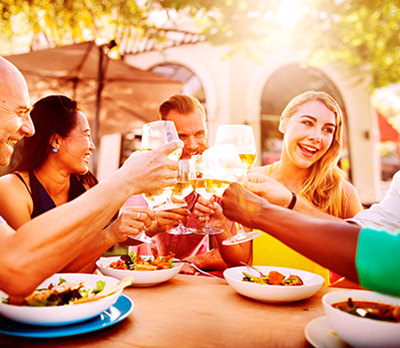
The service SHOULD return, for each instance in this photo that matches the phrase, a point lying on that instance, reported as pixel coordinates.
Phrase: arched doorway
(192, 84)
(283, 85)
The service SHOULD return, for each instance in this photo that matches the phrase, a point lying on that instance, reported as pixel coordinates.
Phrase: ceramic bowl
(358, 331)
(273, 293)
(141, 278)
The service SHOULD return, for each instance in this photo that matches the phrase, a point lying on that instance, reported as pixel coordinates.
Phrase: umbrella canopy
(114, 95)
(387, 132)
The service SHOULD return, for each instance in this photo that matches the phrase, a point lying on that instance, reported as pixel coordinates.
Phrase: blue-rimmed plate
(117, 312)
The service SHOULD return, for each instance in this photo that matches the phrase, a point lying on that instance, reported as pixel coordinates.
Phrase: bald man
(49, 242)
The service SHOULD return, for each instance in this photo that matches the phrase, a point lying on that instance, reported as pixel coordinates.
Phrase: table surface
(196, 311)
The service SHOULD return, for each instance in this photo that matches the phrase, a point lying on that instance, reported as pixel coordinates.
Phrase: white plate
(273, 293)
(321, 335)
(62, 315)
(117, 312)
(140, 278)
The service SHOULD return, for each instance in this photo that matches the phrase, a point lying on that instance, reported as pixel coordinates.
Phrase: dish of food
(117, 312)
(273, 293)
(274, 278)
(135, 262)
(368, 309)
(60, 294)
(141, 267)
(358, 329)
(62, 304)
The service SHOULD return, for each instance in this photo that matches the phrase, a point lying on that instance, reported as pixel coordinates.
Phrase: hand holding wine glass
(202, 186)
(212, 174)
(156, 134)
(242, 137)
(181, 190)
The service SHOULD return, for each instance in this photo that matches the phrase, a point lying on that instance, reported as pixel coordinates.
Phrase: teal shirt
(378, 261)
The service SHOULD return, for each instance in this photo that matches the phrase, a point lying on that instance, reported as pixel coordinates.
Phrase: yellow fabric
(269, 251)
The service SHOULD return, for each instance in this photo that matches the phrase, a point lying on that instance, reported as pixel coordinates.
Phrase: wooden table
(196, 311)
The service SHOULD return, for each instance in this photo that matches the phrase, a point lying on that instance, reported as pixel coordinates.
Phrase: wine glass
(242, 137)
(181, 190)
(212, 173)
(156, 134)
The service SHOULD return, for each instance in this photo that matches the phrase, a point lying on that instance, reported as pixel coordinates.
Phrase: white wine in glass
(242, 137)
(199, 184)
(156, 134)
(210, 187)
(181, 190)
(248, 160)
(215, 170)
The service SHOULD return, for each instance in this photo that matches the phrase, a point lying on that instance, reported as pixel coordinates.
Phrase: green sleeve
(378, 261)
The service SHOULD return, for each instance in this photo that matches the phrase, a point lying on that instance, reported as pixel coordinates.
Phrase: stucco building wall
(233, 87)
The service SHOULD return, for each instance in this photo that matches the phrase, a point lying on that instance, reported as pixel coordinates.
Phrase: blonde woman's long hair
(325, 185)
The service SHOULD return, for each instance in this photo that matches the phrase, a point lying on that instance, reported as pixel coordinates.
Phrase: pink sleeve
(136, 200)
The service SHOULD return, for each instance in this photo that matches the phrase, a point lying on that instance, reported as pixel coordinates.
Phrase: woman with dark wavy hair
(54, 169)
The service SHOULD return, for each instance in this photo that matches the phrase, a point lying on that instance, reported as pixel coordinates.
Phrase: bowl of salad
(278, 285)
(147, 270)
(63, 299)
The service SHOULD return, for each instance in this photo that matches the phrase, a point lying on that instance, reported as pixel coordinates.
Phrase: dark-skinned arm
(330, 244)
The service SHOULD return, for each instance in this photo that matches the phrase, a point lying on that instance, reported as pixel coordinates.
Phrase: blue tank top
(42, 202)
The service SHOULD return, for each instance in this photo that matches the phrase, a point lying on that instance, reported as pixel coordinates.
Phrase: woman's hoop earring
(55, 150)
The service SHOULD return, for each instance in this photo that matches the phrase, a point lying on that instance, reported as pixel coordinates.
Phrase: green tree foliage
(66, 21)
(364, 34)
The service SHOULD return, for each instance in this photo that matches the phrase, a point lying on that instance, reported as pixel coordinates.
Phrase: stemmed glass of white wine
(242, 137)
(156, 134)
(212, 172)
(181, 190)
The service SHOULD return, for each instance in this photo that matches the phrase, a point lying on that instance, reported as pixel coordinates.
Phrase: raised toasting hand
(152, 170)
(241, 205)
(269, 189)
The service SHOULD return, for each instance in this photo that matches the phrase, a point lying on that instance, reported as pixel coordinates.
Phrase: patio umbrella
(387, 132)
(115, 96)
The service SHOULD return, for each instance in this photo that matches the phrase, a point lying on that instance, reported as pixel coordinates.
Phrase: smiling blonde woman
(306, 178)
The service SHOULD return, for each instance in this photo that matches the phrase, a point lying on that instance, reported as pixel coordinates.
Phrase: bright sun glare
(288, 12)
